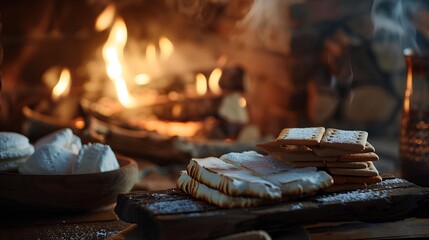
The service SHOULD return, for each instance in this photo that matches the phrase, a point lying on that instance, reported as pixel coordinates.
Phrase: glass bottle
(414, 132)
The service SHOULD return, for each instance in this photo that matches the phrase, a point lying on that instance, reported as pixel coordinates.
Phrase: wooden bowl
(78, 192)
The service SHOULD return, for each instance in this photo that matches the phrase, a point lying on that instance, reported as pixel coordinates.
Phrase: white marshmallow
(15, 148)
(49, 159)
(64, 138)
(94, 158)
(14, 145)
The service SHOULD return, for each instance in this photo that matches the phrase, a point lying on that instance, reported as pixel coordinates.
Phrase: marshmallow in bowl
(64, 138)
(94, 158)
(15, 148)
(49, 159)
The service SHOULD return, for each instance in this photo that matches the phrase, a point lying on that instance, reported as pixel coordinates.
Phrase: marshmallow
(64, 138)
(49, 159)
(14, 150)
(93, 158)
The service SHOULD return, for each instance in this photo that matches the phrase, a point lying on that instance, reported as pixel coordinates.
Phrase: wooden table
(106, 225)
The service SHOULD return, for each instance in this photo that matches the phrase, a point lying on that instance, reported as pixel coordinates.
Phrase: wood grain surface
(172, 214)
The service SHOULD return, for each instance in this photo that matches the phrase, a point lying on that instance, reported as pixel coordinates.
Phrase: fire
(214, 81)
(142, 79)
(105, 19)
(176, 110)
(151, 55)
(201, 84)
(62, 88)
(182, 129)
(166, 48)
(242, 102)
(113, 51)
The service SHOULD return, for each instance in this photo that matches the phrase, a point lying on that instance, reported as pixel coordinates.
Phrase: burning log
(162, 149)
(188, 109)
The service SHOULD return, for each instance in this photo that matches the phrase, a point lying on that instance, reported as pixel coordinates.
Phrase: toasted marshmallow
(64, 138)
(94, 158)
(49, 159)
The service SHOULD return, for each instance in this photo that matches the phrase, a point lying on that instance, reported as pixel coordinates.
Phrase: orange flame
(201, 84)
(113, 56)
(183, 129)
(166, 48)
(142, 79)
(62, 88)
(214, 81)
(105, 19)
(151, 55)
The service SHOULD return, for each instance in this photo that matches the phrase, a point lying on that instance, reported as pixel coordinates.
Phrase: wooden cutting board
(172, 214)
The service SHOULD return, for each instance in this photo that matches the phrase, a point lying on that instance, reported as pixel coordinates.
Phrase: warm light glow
(182, 129)
(242, 102)
(79, 123)
(176, 110)
(214, 81)
(151, 54)
(408, 89)
(113, 57)
(173, 96)
(222, 60)
(105, 19)
(201, 84)
(142, 79)
(166, 48)
(62, 88)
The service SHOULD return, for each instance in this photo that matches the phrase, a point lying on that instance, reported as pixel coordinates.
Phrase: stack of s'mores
(345, 154)
(248, 179)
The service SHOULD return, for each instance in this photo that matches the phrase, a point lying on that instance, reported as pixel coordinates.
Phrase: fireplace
(199, 73)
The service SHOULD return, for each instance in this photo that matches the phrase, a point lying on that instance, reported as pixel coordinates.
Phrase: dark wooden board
(172, 214)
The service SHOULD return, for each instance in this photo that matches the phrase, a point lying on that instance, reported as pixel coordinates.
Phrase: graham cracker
(302, 157)
(318, 164)
(344, 139)
(359, 157)
(269, 147)
(301, 136)
(352, 165)
(340, 179)
(330, 152)
(371, 171)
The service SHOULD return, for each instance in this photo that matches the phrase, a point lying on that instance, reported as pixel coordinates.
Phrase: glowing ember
(214, 81)
(79, 123)
(201, 84)
(105, 19)
(176, 110)
(113, 57)
(183, 129)
(62, 88)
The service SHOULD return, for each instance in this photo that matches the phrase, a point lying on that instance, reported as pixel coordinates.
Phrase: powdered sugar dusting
(389, 182)
(75, 232)
(301, 133)
(353, 196)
